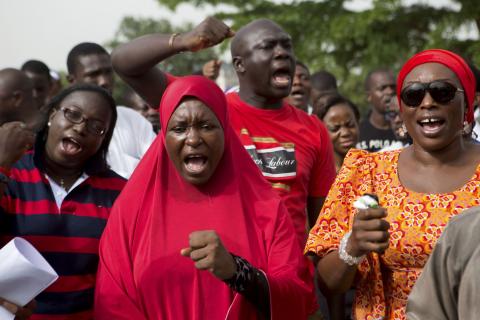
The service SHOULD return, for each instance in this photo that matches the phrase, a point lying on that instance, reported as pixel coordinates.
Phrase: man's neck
(259, 102)
(378, 120)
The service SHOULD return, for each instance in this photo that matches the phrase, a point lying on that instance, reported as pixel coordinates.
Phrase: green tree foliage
(348, 43)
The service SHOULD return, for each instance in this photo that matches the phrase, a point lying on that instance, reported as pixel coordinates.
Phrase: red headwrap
(142, 274)
(452, 61)
(196, 86)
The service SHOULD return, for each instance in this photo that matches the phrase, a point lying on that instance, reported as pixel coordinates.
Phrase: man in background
(322, 82)
(133, 100)
(90, 63)
(301, 88)
(17, 102)
(375, 130)
(39, 73)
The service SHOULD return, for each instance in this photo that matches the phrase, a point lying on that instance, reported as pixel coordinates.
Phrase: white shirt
(60, 193)
(394, 146)
(476, 128)
(132, 136)
(309, 110)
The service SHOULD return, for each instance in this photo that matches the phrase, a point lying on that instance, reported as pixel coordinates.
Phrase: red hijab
(142, 274)
(450, 60)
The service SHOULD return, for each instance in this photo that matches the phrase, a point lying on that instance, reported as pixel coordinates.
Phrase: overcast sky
(47, 29)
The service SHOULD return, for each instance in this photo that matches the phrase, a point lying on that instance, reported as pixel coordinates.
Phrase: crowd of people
(190, 202)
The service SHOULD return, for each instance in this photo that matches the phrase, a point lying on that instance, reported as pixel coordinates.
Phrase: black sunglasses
(441, 91)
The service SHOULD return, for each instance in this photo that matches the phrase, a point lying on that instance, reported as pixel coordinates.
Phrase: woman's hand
(20, 313)
(208, 253)
(208, 33)
(369, 232)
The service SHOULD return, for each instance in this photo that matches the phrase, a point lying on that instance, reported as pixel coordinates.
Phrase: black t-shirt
(373, 139)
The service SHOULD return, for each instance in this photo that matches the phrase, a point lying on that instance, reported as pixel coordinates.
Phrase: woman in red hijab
(381, 251)
(197, 232)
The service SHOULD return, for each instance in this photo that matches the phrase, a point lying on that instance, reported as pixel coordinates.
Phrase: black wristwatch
(4, 178)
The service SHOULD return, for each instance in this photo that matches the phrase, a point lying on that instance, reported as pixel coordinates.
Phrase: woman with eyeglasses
(59, 195)
(381, 250)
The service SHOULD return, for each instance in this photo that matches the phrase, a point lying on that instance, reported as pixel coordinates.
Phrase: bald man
(322, 82)
(291, 149)
(17, 102)
(19, 119)
(39, 73)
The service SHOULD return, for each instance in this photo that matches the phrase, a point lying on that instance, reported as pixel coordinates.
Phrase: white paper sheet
(24, 273)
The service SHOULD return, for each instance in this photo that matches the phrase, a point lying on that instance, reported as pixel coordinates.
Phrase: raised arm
(136, 60)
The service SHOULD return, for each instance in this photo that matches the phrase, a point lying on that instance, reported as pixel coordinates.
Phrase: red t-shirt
(291, 148)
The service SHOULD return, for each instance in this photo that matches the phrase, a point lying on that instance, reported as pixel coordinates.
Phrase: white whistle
(365, 202)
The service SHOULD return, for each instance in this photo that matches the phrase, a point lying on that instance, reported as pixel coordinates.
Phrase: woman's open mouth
(430, 127)
(71, 146)
(195, 163)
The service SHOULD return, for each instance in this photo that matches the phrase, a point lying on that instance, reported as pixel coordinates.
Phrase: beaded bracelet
(343, 254)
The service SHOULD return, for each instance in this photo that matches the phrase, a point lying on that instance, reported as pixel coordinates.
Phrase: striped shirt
(68, 237)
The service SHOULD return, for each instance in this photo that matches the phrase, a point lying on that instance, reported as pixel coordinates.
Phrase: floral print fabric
(383, 282)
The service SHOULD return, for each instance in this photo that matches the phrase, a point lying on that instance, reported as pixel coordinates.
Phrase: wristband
(343, 254)
(242, 276)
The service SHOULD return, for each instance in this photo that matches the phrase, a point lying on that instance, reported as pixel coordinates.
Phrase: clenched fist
(208, 253)
(15, 139)
(369, 232)
(208, 33)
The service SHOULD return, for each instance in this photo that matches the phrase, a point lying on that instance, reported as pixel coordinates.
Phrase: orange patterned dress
(384, 281)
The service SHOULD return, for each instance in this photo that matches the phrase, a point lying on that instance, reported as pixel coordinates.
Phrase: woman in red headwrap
(197, 232)
(381, 251)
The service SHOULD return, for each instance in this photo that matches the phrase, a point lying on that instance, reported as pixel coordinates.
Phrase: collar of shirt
(60, 193)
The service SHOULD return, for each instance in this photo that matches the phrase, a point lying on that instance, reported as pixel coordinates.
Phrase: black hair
(37, 67)
(333, 100)
(368, 78)
(97, 164)
(300, 63)
(323, 80)
(83, 49)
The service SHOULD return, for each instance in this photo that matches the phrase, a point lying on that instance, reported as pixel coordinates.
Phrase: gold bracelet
(172, 38)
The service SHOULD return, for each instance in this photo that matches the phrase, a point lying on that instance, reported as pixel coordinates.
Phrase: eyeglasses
(95, 127)
(441, 91)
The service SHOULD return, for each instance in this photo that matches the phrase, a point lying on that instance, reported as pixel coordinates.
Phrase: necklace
(62, 184)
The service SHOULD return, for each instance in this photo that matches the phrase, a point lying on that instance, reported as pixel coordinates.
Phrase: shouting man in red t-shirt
(291, 148)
